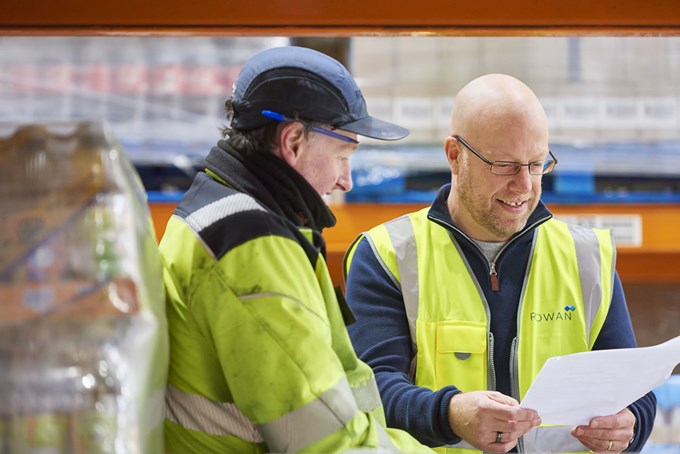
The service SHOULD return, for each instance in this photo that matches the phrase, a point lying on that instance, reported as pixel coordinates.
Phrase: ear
(452, 150)
(291, 142)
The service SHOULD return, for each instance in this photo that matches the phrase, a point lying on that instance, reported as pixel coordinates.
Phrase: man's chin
(510, 229)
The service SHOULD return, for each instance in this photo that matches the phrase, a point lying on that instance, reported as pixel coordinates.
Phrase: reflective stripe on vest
(589, 255)
(400, 232)
(204, 415)
(458, 333)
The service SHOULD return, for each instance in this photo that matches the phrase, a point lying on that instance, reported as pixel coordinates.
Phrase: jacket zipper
(495, 287)
(492, 365)
(514, 385)
(493, 274)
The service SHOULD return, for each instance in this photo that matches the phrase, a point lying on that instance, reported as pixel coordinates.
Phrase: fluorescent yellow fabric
(260, 354)
(453, 341)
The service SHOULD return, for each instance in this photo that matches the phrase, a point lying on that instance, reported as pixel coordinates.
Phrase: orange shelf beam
(656, 261)
(349, 17)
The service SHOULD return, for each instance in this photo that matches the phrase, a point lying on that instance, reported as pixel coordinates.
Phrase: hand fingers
(501, 442)
(583, 432)
(600, 431)
(509, 409)
(502, 399)
(604, 446)
(495, 410)
(515, 415)
(515, 426)
(602, 440)
(508, 430)
(622, 419)
(477, 417)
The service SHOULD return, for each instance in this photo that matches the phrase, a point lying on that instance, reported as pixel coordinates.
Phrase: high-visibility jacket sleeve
(274, 333)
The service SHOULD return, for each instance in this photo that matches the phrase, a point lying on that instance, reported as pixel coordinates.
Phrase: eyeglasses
(279, 117)
(510, 167)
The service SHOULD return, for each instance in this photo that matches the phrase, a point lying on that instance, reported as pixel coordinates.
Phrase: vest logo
(553, 316)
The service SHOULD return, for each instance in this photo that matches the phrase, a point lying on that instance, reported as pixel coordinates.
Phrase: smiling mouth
(512, 204)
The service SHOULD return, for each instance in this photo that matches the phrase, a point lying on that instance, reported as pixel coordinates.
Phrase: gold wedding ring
(611, 444)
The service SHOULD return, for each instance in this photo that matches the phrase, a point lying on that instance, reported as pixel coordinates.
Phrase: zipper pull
(494, 277)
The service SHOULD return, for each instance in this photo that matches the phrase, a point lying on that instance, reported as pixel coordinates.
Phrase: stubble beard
(477, 205)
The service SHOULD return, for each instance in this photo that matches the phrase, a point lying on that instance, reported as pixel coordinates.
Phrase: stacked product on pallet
(83, 347)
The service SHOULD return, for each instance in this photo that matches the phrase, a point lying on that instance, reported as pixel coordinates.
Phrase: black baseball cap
(300, 82)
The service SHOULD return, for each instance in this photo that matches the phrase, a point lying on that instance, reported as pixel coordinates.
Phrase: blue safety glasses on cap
(278, 117)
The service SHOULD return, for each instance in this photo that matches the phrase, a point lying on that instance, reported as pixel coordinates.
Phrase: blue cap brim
(375, 129)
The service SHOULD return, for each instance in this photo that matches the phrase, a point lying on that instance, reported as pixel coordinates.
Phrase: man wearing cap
(260, 357)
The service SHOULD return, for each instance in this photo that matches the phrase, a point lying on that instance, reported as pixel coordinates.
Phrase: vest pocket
(460, 357)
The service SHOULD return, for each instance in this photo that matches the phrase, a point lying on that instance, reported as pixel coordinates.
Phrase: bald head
(494, 104)
(502, 120)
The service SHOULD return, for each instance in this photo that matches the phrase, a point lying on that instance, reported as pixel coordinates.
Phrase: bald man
(459, 305)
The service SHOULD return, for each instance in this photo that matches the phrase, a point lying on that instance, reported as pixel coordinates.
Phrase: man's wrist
(630, 442)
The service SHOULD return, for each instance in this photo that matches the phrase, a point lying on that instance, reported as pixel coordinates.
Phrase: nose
(523, 181)
(345, 178)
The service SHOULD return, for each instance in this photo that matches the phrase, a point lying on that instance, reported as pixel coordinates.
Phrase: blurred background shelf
(606, 72)
(609, 172)
(655, 260)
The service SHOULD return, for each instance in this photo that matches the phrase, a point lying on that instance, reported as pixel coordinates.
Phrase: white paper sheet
(572, 389)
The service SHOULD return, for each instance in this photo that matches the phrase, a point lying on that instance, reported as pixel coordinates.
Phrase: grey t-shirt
(490, 250)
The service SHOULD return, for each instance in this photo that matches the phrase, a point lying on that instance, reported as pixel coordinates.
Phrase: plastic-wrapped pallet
(83, 338)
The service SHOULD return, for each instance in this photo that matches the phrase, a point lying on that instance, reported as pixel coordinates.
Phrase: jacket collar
(273, 183)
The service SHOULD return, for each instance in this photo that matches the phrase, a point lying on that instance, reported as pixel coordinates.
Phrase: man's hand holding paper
(612, 433)
(591, 391)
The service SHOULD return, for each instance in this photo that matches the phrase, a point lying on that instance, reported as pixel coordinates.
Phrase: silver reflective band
(206, 216)
(401, 233)
(199, 413)
(367, 395)
(378, 257)
(589, 270)
(302, 427)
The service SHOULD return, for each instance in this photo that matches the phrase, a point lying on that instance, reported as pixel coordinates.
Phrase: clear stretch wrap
(83, 338)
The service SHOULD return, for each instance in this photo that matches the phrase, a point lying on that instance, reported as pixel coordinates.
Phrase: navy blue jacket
(381, 333)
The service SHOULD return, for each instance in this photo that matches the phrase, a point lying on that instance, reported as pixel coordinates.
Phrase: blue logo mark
(569, 308)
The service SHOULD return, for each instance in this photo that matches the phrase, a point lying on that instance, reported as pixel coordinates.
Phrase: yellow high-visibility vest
(564, 302)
